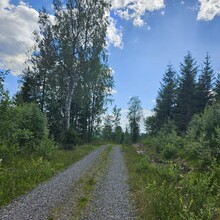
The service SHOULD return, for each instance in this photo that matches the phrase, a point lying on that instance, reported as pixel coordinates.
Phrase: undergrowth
(23, 173)
(164, 191)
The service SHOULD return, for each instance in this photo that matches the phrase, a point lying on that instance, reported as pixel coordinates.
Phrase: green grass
(22, 174)
(89, 181)
(163, 191)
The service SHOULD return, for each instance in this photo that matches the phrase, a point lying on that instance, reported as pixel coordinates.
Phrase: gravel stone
(111, 199)
(36, 205)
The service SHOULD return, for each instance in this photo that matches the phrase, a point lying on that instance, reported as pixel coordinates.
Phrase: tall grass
(163, 191)
(23, 173)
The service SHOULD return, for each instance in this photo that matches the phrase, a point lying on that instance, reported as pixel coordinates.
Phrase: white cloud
(208, 9)
(4, 3)
(114, 35)
(124, 119)
(147, 113)
(135, 9)
(17, 24)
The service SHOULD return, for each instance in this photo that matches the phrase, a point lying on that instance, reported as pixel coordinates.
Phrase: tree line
(112, 130)
(186, 118)
(182, 96)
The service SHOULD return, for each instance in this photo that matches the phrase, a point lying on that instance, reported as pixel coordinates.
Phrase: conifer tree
(186, 93)
(165, 101)
(204, 93)
(217, 89)
(108, 128)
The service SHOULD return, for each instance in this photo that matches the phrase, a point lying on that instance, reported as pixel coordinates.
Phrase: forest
(60, 114)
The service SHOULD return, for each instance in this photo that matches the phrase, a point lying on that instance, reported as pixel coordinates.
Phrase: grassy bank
(167, 191)
(22, 174)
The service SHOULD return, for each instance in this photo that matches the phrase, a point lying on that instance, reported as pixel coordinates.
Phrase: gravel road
(111, 199)
(38, 203)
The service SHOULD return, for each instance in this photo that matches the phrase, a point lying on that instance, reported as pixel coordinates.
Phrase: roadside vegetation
(23, 172)
(175, 168)
(172, 189)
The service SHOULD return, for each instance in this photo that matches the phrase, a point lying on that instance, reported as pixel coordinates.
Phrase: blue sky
(142, 40)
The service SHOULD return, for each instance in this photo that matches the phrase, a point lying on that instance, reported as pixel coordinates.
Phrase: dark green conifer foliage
(186, 93)
(204, 93)
(165, 101)
(107, 131)
(217, 89)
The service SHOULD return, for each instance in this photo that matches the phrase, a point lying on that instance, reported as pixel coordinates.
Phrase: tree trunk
(68, 102)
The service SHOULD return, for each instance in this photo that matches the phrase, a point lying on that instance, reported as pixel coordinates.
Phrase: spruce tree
(165, 101)
(217, 89)
(107, 131)
(186, 93)
(205, 85)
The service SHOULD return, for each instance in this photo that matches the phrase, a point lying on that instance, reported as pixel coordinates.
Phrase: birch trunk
(68, 102)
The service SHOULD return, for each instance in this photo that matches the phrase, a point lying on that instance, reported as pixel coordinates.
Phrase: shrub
(169, 151)
(24, 129)
(7, 153)
(203, 135)
(46, 149)
(31, 126)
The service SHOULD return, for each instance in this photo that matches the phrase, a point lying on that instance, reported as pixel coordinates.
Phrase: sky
(143, 37)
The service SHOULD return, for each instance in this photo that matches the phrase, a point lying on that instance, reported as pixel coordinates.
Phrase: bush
(169, 151)
(46, 149)
(167, 142)
(24, 129)
(203, 135)
(7, 153)
(31, 126)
